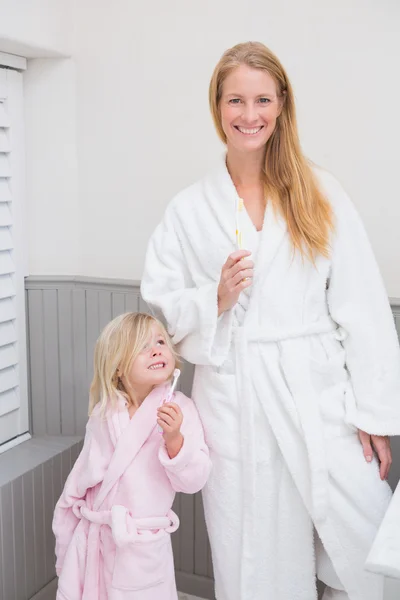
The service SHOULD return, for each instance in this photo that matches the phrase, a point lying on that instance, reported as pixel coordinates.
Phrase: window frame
(11, 93)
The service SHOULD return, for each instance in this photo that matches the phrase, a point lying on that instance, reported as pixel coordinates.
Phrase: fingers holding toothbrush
(236, 275)
(235, 257)
(169, 419)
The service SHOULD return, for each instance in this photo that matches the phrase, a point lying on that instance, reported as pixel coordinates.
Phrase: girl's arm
(87, 472)
(188, 471)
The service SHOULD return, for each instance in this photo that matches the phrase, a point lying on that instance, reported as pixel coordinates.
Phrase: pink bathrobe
(114, 519)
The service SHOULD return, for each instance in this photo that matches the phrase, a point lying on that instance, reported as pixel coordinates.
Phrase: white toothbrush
(177, 373)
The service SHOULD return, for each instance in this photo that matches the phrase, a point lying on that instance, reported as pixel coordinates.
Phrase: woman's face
(249, 108)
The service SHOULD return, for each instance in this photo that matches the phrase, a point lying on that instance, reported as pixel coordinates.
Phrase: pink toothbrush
(177, 373)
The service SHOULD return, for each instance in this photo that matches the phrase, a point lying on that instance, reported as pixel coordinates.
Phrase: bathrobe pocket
(332, 384)
(142, 564)
(328, 362)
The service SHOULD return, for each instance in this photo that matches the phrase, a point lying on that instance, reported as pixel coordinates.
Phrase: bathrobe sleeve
(189, 470)
(359, 304)
(87, 472)
(190, 310)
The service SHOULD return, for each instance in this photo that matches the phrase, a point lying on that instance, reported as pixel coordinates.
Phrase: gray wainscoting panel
(48, 592)
(27, 500)
(395, 304)
(65, 317)
(394, 475)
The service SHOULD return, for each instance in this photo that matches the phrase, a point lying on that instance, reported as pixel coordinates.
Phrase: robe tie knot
(125, 528)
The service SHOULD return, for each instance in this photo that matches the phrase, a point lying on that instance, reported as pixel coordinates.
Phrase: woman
(266, 279)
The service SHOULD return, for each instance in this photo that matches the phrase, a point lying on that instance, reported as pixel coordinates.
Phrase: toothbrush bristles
(177, 373)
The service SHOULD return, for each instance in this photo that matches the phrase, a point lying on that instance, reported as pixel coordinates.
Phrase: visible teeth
(250, 131)
(158, 366)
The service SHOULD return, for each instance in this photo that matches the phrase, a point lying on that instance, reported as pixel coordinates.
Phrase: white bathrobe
(282, 382)
(385, 552)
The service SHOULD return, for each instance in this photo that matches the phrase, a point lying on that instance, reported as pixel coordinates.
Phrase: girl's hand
(381, 445)
(236, 275)
(170, 418)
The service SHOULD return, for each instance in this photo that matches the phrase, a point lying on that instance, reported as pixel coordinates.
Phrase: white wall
(53, 215)
(35, 28)
(143, 122)
(144, 132)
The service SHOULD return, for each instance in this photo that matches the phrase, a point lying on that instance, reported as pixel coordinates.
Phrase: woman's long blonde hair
(119, 344)
(289, 181)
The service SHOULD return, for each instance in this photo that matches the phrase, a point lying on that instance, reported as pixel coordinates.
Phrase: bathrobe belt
(295, 367)
(126, 529)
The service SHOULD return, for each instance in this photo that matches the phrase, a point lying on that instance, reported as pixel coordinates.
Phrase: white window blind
(14, 421)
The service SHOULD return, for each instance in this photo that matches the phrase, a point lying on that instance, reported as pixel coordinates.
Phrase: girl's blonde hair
(118, 346)
(288, 178)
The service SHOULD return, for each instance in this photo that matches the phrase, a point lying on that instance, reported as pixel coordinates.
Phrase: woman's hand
(381, 445)
(170, 418)
(236, 275)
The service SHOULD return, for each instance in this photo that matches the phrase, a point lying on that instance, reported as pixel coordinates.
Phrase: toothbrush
(177, 373)
(239, 236)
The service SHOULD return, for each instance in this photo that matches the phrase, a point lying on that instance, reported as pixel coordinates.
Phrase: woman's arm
(359, 304)
(191, 311)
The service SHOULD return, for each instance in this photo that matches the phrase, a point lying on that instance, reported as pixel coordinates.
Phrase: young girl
(114, 519)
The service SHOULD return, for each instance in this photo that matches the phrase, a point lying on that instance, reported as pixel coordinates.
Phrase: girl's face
(153, 366)
(249, 108)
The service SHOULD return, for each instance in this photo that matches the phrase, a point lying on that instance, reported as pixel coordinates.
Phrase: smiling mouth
(157, 366)
(252, 131)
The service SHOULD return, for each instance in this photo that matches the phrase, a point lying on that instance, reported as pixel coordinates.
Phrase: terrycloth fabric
(385, 553)
(282, 383)
(113, 521)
